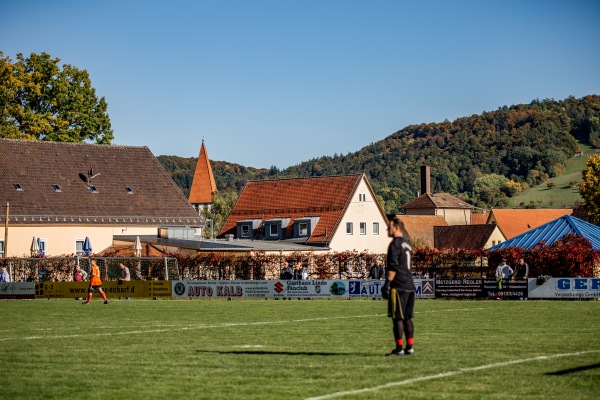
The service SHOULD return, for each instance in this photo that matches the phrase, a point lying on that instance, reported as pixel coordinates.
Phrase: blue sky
(278, 82)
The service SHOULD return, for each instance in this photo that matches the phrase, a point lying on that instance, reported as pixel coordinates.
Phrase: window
(94, 189)
(303, 229)
(375, 228)
(43, 247)
(18, 186)
(493, 242)
(362, 197)
(245, 230)
(128, 190)
(349, 228)
(363, 228)
(79, 246)
(56, 187)
(273, 230)
(1, 248)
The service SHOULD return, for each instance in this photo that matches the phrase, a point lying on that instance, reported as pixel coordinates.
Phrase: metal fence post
(166, 269)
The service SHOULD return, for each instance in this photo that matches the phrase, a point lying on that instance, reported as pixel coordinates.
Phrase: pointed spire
(203, 184)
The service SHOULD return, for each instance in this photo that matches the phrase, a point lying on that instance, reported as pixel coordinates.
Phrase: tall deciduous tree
(39, 100)
(590, 189)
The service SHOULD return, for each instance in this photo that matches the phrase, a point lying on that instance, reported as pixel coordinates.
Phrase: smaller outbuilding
(553, 231)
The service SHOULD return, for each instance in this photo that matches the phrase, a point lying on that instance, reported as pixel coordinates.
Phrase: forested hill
(483, 158)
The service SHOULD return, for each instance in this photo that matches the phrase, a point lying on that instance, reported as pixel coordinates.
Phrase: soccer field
(267, 349)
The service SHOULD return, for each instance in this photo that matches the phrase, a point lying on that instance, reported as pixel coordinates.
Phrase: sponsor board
(565, 288)
(69, 290)
(228, 289)
(260, 289)
(17, 290)
(478, 288)
(424, 288)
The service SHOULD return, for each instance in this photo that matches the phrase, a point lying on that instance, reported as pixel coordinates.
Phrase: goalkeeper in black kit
(399, 289)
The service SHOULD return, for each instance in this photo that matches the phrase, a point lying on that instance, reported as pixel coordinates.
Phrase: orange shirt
(95, 281)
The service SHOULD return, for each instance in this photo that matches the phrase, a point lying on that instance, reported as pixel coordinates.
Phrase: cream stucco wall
(495, 238)
(61, 240)
(359, 211)
(455, 216)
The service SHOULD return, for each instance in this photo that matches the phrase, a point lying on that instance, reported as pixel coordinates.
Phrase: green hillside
(563, 194)
(486, 159)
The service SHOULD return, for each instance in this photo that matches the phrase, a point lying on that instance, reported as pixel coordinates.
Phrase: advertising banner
(477, 288)
(260, 289)
(565, 288)
(70, 290)
(424, 288)
(17, 290)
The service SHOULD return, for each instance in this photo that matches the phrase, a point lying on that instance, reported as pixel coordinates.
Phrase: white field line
(447, 374)
(216, 326)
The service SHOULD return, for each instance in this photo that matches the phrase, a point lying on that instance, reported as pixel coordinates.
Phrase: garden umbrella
(87, 246)
(34, 246)
(137, 247)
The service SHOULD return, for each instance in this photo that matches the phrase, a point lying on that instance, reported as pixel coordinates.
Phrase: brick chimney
(425, 180)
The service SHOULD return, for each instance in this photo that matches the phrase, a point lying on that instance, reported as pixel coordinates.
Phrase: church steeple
(203, 184)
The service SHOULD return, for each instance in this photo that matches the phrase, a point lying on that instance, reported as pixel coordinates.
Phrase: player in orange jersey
(95, 283)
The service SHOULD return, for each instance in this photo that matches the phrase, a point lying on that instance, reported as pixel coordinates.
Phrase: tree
(220, 210)
(590, 188)
(39, 100)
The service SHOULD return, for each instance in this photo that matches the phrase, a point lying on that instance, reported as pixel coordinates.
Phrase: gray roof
(36, 166)
(225, 245)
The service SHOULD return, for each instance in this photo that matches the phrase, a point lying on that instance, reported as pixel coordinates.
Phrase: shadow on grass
(572, 370)
(284, 353)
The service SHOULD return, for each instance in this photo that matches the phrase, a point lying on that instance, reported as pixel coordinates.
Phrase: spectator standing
(297, 272)
(4, 276)
(125, 276)
(79, 275)
(503, 272)
(286, 272)
(521, 270)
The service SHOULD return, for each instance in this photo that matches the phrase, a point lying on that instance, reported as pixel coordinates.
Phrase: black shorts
(401, 304)
(96, 288)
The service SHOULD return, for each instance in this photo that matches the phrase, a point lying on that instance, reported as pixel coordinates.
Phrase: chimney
(425, 180)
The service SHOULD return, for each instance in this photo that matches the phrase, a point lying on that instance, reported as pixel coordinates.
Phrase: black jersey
(399, 260)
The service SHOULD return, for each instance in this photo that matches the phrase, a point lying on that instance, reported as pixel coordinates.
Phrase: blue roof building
(553, 231)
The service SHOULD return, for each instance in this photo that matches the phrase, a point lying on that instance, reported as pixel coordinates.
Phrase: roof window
(18, 186)
(56, 187)
(94, 189)
(128, 190)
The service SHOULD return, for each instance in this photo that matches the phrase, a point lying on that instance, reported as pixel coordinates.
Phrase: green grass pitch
(267, 349)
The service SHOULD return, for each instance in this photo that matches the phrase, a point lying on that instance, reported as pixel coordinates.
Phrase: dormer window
(305, 226)
(18, 186)
(56, 187)
(273, 230)
(248, 228)
(245, 231)
(302, 229)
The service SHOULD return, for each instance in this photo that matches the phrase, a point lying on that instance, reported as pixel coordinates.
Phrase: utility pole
(6, 231)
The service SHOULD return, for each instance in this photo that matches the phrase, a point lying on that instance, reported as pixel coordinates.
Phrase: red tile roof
(325, 197)
(513, 222)
(479, 219)
(37, 165)
(467, 237)
(203, 184)
(436, 200)
(419, 228)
